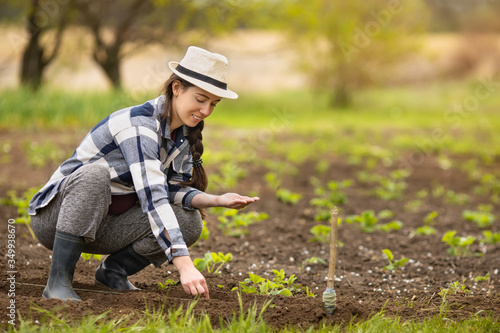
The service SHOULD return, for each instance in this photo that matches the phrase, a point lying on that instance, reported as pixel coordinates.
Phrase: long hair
(195, 138)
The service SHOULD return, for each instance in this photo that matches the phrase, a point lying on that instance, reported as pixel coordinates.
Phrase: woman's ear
(176, 87)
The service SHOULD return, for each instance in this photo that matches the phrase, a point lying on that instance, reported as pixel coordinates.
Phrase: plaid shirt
(136, 148)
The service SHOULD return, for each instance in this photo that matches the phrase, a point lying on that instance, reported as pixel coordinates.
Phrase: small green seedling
(280, 285)
(288, 197)
(313, 261)
(321, 233)
(22, 205)
(425, 230)
(212, 262)
(39, 155)
(482, 217)
(490, 237)
(234, 223)
(272, 180)
(455, 288)
(430, 219)
(393, 264)
(459, 246)
(388, 227)
(167, 283)
(481, 278)
(328, 197)
(454, 198)
(367, 221)
(228, 176)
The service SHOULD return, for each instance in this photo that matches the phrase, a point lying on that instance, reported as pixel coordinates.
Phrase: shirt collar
(159, 106)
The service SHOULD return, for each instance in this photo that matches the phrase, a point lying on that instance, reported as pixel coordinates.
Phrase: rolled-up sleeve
(140, 148)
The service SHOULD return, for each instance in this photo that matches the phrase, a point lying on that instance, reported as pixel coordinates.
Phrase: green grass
(184, 319)
(419, 118)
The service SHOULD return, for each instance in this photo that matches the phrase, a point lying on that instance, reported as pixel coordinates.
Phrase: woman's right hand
(192, 280)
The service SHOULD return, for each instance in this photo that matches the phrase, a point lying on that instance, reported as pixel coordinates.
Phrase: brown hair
(199, 177)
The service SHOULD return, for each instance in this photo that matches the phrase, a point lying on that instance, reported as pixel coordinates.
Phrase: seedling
(313, 261)
(393, 264)
(482, 217)
(459, 246)
(212, 262)
(425, 230)
(234, 223)
(321, 233)
(328, 197)
(367, 221)
(481, 278)
(454, 198)
(167, 284)
(390, 187)
(39, 155)
(22, 205)
(288, 197)
(272, 180)
(388, 227)
(455, 288)
(430, 219)
(280, 285)
(490, 237)
(228, 176)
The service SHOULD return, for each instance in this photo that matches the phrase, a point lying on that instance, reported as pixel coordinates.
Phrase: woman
(128, 190)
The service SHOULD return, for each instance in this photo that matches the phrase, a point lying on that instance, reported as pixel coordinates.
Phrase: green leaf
(388, 254)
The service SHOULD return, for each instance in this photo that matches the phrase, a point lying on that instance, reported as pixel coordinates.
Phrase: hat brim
(224, 93)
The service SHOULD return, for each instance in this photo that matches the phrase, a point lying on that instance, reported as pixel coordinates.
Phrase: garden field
(415, 174)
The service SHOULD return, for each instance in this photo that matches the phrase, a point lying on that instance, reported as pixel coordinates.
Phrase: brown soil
(362, 285)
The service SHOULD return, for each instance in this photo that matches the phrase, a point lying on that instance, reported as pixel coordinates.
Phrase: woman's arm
(228, 200)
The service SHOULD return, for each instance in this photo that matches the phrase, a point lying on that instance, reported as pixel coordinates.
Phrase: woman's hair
(199, 177)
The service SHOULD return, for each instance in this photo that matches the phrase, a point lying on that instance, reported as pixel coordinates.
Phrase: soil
(283, 241)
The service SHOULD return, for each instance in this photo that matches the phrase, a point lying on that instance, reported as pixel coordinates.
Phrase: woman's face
(191, 105)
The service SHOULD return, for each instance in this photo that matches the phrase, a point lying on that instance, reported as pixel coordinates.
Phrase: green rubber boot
(66, 252)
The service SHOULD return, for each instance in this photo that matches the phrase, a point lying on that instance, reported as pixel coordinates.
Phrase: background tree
(139, 22)
(42, 17)
(346, 44)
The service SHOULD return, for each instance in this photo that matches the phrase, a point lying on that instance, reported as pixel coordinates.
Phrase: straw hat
(205, 70)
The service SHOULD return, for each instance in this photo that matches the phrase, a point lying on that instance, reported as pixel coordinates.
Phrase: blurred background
(334, 47)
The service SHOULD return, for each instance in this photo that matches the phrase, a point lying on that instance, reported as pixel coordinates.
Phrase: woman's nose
(206, 110)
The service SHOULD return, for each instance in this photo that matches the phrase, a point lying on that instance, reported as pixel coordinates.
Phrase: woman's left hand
(234, 200)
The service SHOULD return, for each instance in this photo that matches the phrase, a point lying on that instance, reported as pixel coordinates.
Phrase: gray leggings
(81, 208)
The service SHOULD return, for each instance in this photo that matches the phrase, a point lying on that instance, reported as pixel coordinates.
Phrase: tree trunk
(32, 63)
(342, 96)
(112, 69)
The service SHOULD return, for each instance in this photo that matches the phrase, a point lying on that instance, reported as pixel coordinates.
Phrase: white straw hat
(205, 70)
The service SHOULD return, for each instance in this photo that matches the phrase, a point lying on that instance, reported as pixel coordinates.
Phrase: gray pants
(81, 208)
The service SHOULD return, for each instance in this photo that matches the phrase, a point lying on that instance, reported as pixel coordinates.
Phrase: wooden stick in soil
(330, 296)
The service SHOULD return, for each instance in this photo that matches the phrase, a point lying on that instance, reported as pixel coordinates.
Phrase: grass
(184, 319)
(421, 118)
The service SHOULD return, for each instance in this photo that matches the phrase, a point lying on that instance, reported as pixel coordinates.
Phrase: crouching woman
(134, 188)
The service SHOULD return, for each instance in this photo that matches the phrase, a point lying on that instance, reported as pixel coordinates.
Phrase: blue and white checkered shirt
(136, 148)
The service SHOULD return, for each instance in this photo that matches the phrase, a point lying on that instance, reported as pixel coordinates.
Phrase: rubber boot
(113, 271)
(66, 252)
